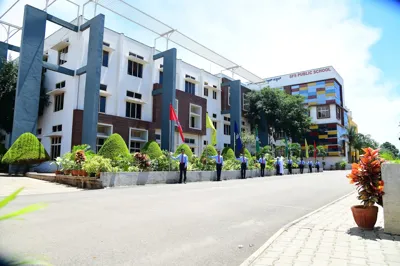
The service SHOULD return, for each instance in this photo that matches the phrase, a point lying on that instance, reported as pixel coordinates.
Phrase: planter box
(391, 199)
(74, 181)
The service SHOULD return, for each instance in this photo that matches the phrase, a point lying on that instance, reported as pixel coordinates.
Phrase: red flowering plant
(366, 175)
(142, 161)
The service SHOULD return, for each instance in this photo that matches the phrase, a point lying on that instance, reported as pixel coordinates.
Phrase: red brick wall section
(121, 125)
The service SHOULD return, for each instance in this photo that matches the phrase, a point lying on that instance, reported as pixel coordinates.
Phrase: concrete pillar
(391, 199)
(235, 110)
(93, 75)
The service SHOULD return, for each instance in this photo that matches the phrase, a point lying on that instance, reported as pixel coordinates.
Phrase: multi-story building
(322, 89)
(126, 105)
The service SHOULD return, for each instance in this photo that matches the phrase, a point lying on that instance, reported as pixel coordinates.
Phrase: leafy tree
(352, 137)
(295, 149)
(152, 149)
(389, 147)
(27, 149)
(8, 85)
(229, 155)
(365, 141)
(321, 151)
(248, 139)
(283, 112)
(114, 148)
(209, 151)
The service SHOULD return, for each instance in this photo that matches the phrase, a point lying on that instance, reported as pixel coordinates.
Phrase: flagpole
(170, 140)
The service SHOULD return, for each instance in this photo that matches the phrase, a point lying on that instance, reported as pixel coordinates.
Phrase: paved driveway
(206, 223)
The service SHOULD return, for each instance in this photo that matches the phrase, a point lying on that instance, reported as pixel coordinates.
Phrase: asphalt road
(193, 224)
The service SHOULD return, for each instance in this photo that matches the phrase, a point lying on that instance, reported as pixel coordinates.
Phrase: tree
(209, 150)
(389, 147)
(321, 151)
(8, 85)
(365, 141)
(295, 149)
(114, 148)
(152, 149)
(352, 137)
(284, 113)
(248, 140)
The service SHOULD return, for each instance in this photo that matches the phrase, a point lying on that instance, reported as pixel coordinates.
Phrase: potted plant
(58, 162)
(366, 175)
(75, 170)
(97, 164)
(80, 159)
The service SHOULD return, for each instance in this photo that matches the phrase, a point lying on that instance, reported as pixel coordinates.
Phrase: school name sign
(310, 72)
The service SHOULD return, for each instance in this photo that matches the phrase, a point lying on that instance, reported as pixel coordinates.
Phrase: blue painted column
(235, 110)
(263, 131)
(168, 97)
(93, 75)
(3, 53)
(29, 72)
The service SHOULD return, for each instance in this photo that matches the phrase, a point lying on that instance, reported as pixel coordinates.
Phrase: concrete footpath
(329, 236)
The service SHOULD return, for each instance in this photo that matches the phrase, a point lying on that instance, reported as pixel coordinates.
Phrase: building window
(323, 112)
(227, 129)
(55, 147)
(176, 107)
(226, 145)
(58, 102)
(99, 143)
(134, 95)
(338, 113)
(161, 78)
(60, 85)
(195, 116)
(215, 124)
(103, 87)
(105, 58)
(57, 128)
(135, 68)
(158, 138)
(39, 131)
(190, 87)
(190, 141)
(137, 139)
(243, 123)
(205, 92)
(245, 103)
(102, 104)
(205, 142)
(133, 110)
(214, 95)
(192, 144)
(229, 96)
(62, 56)
(280, 135)
(214, 115)
(228, 119)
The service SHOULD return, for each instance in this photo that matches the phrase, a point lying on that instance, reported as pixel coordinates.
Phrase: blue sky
(359, 38)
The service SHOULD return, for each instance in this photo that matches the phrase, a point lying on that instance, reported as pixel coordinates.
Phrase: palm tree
(352, 137)
(295, 149)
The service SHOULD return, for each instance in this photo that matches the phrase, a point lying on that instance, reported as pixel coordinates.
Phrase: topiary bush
(209, 151)
(224, 150)
(114, 147)
(152, 149)
(247, 153)
(229, 155)
(187, 149)
(27, 149)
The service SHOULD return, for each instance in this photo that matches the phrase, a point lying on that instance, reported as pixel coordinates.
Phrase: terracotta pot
(67, 172)
(75, 172)
(58, 172)
(83, 173)
(365, 217)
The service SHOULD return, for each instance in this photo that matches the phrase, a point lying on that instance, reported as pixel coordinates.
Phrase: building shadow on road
(374, 235)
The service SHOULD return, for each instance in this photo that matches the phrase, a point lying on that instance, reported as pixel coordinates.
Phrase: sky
(359, 38)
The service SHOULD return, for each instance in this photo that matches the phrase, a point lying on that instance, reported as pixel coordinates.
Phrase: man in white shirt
(310, 165)
(262, 165)
(317, 165)
(243, 165)
(219, 163)
(183, 161)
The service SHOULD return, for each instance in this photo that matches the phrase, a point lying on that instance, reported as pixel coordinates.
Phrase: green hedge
(224, 150)
(114, 147)
(229, 155)
(27, 149)
(209, 151)
(187, 149)
(247, 153)
(152, 149)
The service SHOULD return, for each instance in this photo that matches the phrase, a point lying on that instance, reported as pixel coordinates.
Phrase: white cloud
(274, 37)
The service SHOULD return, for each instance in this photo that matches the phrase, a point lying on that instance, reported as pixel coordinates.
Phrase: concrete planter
(391, 199)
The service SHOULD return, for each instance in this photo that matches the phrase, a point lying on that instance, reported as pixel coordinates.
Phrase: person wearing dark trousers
(243, 166)
(219, 163)
(277, 166)
(289, 165)
(317, 166)
(262, 165)
(183, 161)
(301, 165)
(310, 165)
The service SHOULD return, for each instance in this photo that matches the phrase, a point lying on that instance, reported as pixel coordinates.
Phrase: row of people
(183, 161)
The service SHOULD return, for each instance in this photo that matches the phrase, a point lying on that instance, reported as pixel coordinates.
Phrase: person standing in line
(310, 165)
(289, 165)
(277, 166)
(183, 161)
(219, 163)
(243, 165)
(317, 166)
(262, 165)
(301, 165)
(281, 168)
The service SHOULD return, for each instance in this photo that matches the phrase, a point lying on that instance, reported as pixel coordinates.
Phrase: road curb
(259, 251)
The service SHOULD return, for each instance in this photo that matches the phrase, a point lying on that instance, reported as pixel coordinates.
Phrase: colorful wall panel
(326, 135)
(318, 93)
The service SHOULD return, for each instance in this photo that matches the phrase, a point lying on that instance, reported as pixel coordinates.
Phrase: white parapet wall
(391, 199)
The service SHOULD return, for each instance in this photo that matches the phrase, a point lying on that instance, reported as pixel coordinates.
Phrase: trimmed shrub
(209, 151)
(224, 150)
(113, 147)
(247, 153)
(152, 149)
(188, 151)
(229, 155)
(27, 149)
